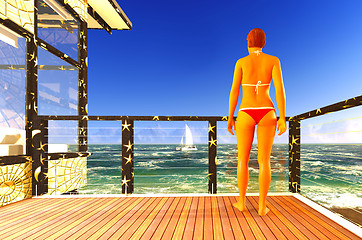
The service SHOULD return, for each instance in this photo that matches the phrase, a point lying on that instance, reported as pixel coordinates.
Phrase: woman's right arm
(280, 95)
(234, 95)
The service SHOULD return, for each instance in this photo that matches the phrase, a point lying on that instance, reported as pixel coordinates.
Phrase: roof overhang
(107, 14)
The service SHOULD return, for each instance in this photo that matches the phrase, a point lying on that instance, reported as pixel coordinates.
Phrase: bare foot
(240, 206)
(263, 212)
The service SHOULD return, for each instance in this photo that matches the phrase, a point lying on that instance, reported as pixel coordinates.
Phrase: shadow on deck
(171, 217)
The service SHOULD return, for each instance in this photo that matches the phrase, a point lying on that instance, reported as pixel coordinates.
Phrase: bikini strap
(256, 86)
(257, 52)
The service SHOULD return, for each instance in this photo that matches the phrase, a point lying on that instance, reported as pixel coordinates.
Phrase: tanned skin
(257, 66)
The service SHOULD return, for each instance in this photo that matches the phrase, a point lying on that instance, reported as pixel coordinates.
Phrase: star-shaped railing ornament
(125, 125)
(129, 146)
(129, 159)
(125, 181)
(211, 128)
(212, 142)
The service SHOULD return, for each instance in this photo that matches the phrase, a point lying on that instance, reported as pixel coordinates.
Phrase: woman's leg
(265, 133)
(245, 127)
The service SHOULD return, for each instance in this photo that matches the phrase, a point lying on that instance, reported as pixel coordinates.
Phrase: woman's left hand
(231, 125)
(281, 126)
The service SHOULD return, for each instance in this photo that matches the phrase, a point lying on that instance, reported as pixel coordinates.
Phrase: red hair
(256, 38)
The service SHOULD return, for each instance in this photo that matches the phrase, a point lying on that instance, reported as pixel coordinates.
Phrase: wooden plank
(132, 223)
(89, 225)
(156, 223)
(149, 218)
(277, 233)
(225, 220)
(121, 216)
(208, 227)
(234, 224)
(276, 221)
(13, 224)
(191, 220)
(166, 219)
(216, 222)
(170, 229)
(303, 230)
(181, 224)
(199, 222)
(301, 220)
(22, 204)
(251, 221)
(248, 233)
(275, 209)
(66, 221)
(331, 225)
(41, 219)
(24, 211)
(259, 220)
(317, 223)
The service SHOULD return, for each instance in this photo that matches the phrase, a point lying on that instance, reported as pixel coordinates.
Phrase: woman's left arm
(234, 95)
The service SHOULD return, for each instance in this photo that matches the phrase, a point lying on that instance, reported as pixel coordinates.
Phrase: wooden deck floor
(208, 217)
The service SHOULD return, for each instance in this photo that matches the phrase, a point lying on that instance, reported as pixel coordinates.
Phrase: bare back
(255, 68)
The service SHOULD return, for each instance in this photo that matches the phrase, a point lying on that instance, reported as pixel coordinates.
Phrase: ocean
(331, 174)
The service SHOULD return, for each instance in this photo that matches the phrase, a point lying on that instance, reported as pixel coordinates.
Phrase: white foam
(333, 197)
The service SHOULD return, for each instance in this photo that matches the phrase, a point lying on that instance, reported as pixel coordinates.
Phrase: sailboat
(189, 141)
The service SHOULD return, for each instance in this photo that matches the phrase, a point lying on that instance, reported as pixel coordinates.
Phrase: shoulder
(275, 60)
(241, 61)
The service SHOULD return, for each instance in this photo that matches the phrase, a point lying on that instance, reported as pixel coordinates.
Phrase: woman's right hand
(231, 125)
(281, 126)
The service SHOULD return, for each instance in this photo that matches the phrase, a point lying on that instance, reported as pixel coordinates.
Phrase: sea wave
(333, 197)
(331, 170)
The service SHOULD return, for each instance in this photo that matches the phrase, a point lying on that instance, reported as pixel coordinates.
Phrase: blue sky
(179, 57)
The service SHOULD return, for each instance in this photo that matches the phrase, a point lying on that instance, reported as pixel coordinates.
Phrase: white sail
(188, 136)
(189, 141)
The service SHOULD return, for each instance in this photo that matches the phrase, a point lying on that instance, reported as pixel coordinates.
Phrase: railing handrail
(349, 103)
(136, 118)
(352, 102)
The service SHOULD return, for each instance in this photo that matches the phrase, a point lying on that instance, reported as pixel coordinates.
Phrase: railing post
(38, 158)
(294, 155)
(127, 156)
(32, 123)
(44, 152)
(83, 90)
(212, 157)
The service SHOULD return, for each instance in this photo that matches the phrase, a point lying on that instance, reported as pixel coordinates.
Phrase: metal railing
(128, 142)
(40, 142)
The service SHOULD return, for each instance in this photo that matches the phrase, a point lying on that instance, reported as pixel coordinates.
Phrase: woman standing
(255, 72)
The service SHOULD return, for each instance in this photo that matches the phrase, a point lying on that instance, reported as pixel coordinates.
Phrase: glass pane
(170, 157)
(57, 27)
(331, 161)
(12, 93)
(62, 136)
(57, 86)
(227, 160)
(104, 166)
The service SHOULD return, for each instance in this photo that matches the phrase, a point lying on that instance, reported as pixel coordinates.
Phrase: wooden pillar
(294, 156)
(83, 89)
(212, 157)
(127, 156)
